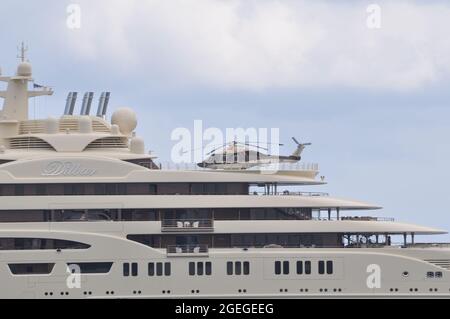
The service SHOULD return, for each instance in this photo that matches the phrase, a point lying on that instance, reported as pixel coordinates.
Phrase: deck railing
(367, 218)
(289, 193)
(187, 250)
(183, 225)
(301, 166)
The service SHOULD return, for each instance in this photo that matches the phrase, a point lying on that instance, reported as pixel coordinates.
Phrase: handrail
(367, 218)
(428, 245)
(181, 250)
(301, 166)
(288, 193)
(181, 224)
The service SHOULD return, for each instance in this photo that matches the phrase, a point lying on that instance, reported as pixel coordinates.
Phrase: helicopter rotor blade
(300, 144)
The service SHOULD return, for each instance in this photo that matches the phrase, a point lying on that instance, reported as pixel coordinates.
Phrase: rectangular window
(229, 268)
(286, 267)
(31, 269)
(167, 269)
(329, 267)
(151, 269)
(237, 268)
(191, 269)
(278, 268)
(308, 267)
(126, 269)
(246, 268)
(92, 267)
(134, 269)
(19, 190)
(321, 267)
(159, 269)
(208, 268)
(200, 268)
(299, 267)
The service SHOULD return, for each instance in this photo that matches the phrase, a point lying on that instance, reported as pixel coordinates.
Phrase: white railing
(289, 193)
(187, 250)
(187, 225)
(272, 167)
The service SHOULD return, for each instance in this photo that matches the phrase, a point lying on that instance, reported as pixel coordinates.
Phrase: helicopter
(239, 156)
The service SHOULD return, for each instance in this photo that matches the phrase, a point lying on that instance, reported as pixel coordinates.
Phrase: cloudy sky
(375, 102)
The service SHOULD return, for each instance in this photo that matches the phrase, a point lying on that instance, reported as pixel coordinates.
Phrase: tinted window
(159, 269)
(246, 268)
(134, 269)
(31, 269)
(286, 267)
(151, 269)
(308, 267)
(321, 267)
(200, 268)
(39, 244)
(299, 267)
(208, 269)
(237, 268)
(278, 268)
(93, 267)
(167, 269)
(191, 269)
(229, 268)
(126, 269)
(329, 267)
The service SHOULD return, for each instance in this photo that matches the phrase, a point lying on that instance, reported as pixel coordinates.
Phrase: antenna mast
(22, 51)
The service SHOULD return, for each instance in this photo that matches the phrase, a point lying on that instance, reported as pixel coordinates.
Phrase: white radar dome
(126, 119)
(137, 145)
(24, 69)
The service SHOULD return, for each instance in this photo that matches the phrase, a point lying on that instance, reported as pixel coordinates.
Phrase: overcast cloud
(256, 44)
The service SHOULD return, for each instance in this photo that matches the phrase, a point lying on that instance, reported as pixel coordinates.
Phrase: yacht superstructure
(79, 196)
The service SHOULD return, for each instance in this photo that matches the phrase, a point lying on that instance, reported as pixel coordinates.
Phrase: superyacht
(85, 212)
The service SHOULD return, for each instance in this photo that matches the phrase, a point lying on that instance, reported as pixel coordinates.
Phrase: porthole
(405, 274)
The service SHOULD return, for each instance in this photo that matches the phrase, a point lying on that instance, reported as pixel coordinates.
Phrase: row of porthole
(240, 291)
(320, 290)
(62, 293)
(414, 290)
(334, 290)
(195, 291)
